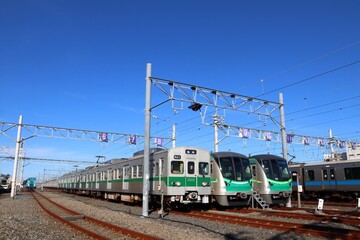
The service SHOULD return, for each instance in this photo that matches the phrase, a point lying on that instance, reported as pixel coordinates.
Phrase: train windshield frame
(276, 169)
(235, 168)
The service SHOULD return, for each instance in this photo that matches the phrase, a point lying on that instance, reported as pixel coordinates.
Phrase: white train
(178, 176)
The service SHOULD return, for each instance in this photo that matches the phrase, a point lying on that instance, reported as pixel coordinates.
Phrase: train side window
(133, 172)
(191, 167)
(352, 173)
(157, 169)
(140, 171)
(177, 167)
(310, 175)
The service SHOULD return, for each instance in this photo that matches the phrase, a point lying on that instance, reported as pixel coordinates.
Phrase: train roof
(152, 150)
(262, 156)
(355, 161)
(223, 154)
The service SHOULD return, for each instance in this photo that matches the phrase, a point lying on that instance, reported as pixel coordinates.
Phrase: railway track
(285, 226)
(92, 227)
(326, 203)
(350, 218)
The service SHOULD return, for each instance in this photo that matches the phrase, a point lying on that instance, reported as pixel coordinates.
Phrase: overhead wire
(312, 77)
(314, 59)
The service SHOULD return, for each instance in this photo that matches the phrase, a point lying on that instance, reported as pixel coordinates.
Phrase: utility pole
(283, 129)
(283, 135)
(216, 136)
(145, 205)
(173, 135)
(331, 145)
(17, 149)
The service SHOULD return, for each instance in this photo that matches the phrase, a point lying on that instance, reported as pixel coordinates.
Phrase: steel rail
(322, 231)
(340, 217)
(115, 228)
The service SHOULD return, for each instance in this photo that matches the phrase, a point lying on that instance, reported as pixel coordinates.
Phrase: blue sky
(81, 65)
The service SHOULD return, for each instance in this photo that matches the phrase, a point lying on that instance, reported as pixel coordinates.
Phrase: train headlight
(177, 184)
(205, 184)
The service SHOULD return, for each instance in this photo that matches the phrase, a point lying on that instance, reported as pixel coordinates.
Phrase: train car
(231, 184)
(178, 176)
(271, 178)
(334, 179)
(31, 183)
(5, 183)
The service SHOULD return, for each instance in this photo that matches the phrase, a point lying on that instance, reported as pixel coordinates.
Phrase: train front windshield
(276, 169)
(235, 168)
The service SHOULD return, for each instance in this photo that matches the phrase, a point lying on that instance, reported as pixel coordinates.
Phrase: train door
(158, 174)
(97, 180)
(328, 179)
(87, 179)
(126, 177)
(190, 179)
(109, 179)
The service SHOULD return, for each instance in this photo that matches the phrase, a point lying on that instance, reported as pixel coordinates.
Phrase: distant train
(232, 180)
(30, 183)
(334, 179)
(179, 176)
(271, 178)
(5, 183)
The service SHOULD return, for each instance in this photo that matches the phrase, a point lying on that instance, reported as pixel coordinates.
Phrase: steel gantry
(72, 134)
(196, 97)
(29, 131)
(199, 96)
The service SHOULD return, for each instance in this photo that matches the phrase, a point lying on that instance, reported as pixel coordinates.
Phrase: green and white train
(271, 178)
(185, 176)
(178, 176)
(231, 179)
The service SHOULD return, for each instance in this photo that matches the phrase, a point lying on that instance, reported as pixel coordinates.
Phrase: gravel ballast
(22, 218)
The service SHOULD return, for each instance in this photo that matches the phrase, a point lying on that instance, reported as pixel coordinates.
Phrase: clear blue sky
(81, 64)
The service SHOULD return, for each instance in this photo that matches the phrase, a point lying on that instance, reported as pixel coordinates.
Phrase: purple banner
(158, 141)
(245, 132)
(132, 139)
(268, 136)
(103, 137)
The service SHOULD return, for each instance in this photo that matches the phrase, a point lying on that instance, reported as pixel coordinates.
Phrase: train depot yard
(193, 193)
(248, 127)
(22, 217)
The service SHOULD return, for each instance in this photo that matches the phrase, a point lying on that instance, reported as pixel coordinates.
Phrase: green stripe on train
(169, 181)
